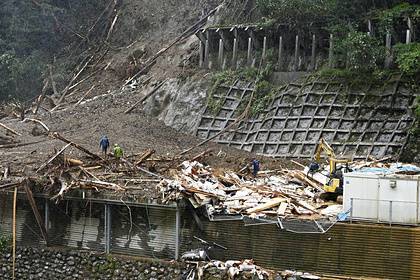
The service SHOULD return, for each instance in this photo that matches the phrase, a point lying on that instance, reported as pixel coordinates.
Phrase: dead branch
(38, 122)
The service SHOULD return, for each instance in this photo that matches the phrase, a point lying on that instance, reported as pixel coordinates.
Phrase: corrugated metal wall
(143, 231)
(139, 231)
(77, 224)
(347, 249)
(27, 230)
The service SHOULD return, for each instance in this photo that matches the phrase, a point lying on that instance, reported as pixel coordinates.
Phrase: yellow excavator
(335, 183)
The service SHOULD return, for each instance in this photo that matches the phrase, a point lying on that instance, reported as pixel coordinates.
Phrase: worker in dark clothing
(255, 167)
(104, 145)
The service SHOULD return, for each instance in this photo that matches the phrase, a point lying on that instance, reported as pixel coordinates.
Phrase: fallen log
(84, 96)
(9, 185)
(10, 130)
(51, 159)
(145, 97)
(144, 156)
(201, 155)
(8, 146)
(65, 91)
(77, 146)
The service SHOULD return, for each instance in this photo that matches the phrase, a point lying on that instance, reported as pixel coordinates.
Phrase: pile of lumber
(278, 193)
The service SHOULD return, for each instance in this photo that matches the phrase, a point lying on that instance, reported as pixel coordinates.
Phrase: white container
(382, 198)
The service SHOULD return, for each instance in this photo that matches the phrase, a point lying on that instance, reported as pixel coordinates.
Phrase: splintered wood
(277, 193)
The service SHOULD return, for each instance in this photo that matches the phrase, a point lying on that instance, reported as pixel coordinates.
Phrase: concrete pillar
(411, 28)
(201, 50)
(264, 51)
(313, 54)
(370, 28)
(221, 49)
(206, 54)
(235, 53)
(177, 231)
(388, 58)
(280, 52)
(249, 54)
(296, 52)
(408, 36)
(331, 52)
(107, 228)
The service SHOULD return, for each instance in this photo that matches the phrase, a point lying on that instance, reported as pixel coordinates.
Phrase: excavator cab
(335, 183)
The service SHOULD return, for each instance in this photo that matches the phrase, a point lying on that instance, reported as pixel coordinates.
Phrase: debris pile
(278, 193)
(246, 269)
(64, 172)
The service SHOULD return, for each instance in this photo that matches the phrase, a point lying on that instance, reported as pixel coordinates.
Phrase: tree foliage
(32, 34)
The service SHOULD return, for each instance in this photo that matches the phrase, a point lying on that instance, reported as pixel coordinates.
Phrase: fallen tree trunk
(84, 96)
(51, 159)
(77, 146)
(8, 146)
(145, 156)
(65, 91)
(145, 97)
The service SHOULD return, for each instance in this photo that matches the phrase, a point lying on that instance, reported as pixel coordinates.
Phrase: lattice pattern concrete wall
(357, 123)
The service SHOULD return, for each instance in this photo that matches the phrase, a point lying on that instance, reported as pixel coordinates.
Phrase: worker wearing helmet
(118, 151)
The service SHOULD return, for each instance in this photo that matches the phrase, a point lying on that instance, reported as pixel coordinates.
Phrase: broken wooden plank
(10, 130)
(52, 158)
(35, 211)
(268, 205)
(155, 89)
(77, 146)
(282, 208)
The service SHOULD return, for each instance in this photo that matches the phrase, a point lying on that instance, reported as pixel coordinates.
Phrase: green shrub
(407, 57)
